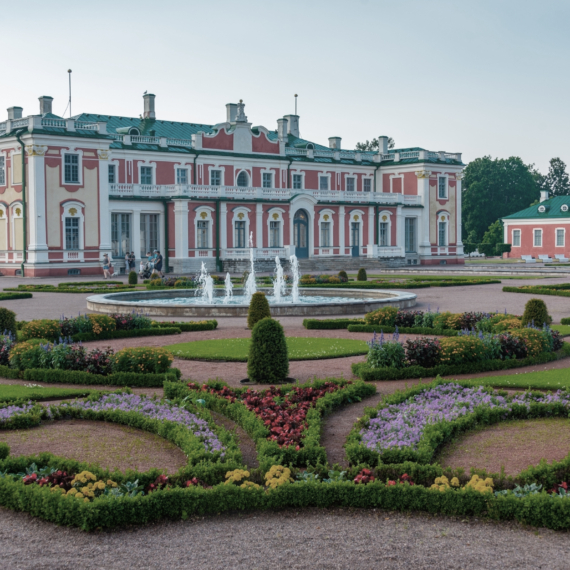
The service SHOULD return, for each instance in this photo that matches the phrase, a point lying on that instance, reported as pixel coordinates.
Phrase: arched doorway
(301, 234)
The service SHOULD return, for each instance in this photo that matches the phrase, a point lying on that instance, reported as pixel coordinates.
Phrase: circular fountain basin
(313, 302)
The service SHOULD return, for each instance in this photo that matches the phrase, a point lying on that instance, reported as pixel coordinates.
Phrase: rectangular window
(239, 234)
(537, 238)
(560, 238)
(442, 186)
(146, 175)
(112, 174)
(297, 181)
(267, 181)
(367, 184)
(274, 234)
(215, 177)
(182, 176)
(71, 233)
(71, 171)
(203, 231)
(120, 234)
(149, 233)
(350, 184)
(411, 235)
(442, 233)
(325, 234)
(516, 238)
(383, 234)
(2, 171)
(323, 182)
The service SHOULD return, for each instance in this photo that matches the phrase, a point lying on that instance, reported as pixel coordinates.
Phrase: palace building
(96, 184)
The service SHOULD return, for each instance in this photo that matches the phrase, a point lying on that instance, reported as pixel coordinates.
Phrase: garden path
(246, 444)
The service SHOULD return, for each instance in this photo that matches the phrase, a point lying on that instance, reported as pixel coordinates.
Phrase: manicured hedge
(8, 372)
(403, 285)
(68, 289)
(363, 370)
(537, 291)
(323, 324)
(565, 321)
(12, 296)
(154, 331)
(117, 379)
(209, 325)
(403, 330)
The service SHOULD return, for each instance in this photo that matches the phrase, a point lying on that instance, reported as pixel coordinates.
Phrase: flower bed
(77, 287)
(561, 290)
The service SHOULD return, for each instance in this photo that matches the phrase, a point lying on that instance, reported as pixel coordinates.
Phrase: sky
(481, 77)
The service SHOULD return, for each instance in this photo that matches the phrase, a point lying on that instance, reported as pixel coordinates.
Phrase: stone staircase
(348, 264)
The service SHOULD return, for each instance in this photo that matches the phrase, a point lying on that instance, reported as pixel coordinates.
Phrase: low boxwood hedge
(154, 331)
(538, 291)
(402, 285)
(13, 296)
(403, 330)
(209, 325)
(363, 370)
(565, 321)
(324, 324)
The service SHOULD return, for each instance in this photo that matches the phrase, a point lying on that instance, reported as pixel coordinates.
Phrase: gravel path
(310, 538)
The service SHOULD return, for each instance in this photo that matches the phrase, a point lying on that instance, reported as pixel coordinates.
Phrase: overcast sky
(478, 77)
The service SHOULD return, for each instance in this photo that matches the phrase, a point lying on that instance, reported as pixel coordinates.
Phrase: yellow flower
(79, 495)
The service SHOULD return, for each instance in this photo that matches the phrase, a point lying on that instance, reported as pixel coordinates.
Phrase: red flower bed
(284, 416)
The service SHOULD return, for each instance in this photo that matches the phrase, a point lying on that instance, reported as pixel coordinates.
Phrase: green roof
(552, 209)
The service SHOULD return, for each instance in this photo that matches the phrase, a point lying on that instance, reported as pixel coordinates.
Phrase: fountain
(250, 285)
(229, 289)
(279, 282)
(205, 286)
(295, 269)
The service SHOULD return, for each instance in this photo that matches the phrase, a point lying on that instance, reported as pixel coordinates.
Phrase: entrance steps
(348, 264)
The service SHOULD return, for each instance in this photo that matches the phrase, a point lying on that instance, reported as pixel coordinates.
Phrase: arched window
(243, 179)
(442, 230)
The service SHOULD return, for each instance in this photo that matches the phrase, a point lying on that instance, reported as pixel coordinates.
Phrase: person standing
(106, 266)
(158, 263)
(132, 260)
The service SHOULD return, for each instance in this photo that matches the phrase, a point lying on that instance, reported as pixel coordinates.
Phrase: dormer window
(541, 209)
(133, 131)
(564, 208)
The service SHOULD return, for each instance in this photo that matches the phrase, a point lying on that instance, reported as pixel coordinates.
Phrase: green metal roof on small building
(553, 208)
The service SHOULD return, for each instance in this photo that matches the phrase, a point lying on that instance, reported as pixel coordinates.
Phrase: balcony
(251, 193)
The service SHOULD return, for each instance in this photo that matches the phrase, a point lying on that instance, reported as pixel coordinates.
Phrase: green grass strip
(544, 380)
(564, 330)
(237, 349)
(11, 392)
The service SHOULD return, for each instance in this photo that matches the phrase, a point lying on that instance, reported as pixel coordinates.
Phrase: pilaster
(36, 204)
(341, 214)
(400, 230)
(259, 225)
(424, 246)
(104, 209)
(458, 178)
(370, 229)
(181, 228)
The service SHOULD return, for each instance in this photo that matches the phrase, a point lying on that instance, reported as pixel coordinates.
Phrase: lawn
(9, 392)
(545, 380)
(564, 330)
(300, 348)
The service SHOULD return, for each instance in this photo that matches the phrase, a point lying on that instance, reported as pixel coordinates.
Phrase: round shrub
(424, 352)
(143, 360)
(4, 450)
(343, 276)
(268, 361)
(535, 312)
(258, 309)
(461, 349)
(509, 324)
(362, 275)
(156, 282)
(43, 328)
(25, 355)
(384, 316)
(389, 354)
(8, 322)
(133, 278)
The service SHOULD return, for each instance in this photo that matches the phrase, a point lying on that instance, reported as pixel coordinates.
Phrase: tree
(556, 181)
(374, 144)
(494, 188)
(494, 233)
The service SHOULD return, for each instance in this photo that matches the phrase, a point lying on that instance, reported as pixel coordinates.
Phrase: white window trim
(140, 165)
(219, 169)
(446, 176)
(14, 216)
(446, 216)
(360, 220)
(5, 157)
(563, 237)
(330, 214)
(513, 237)
(324, 175)
(280, 212)
(271, 174)
(235, 218)
(237, 173)
(535, 232)
(4, 216)
(79, 153)
(392, 177)
(208, 218)
(113, 164)
(80, 215)
(387, 221)
(372, 183)
(355, 183)
(178, 167)
(302, 175)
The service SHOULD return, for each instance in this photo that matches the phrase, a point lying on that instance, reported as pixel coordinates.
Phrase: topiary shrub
(343, 276)
(268, 361)
(4, 450)
(43, 328)
(8, 322)
(535, 310)
(258, 309)
(362, 275)
(133, 278)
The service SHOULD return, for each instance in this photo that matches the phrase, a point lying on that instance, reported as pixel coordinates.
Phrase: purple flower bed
(402, 425)
(9, 412)
(155, 410)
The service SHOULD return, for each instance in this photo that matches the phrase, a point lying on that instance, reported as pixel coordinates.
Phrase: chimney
(231, 112)
(543, 195)
(334, 143)
(383, 145)
(149, 106)
(45, 104)
(14, 113)
(282, 129)
(292, 125)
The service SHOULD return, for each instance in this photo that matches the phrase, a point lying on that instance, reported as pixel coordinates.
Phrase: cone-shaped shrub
(268, 362)
(7, 321)
(258, 309)
(343, 276)
(133, 278)
(535, 310)
(362, 275)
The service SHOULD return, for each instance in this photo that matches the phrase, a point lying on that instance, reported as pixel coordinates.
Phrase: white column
(223, 228)
(104, 209)
(370, 230)
(181, 229)
(423, 230)
(459, 241)
(36, 204)
(136, 232)
(259, 225)
(341, 229)
(400, 230)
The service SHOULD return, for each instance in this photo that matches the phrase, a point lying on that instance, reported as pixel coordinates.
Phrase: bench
(528, 259)
(560, 257)
(545, 258)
